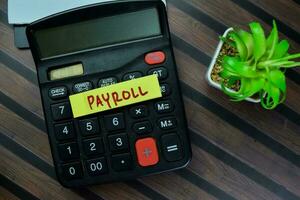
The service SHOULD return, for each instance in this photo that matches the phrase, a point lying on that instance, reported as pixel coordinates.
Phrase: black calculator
(97, 46)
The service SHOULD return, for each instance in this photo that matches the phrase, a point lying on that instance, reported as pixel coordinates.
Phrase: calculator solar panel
(97, 46)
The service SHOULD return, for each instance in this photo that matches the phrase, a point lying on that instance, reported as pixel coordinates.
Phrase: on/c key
(146, 151)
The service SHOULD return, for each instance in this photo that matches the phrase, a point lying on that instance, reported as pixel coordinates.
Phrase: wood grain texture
(239, 150)
(7, 195)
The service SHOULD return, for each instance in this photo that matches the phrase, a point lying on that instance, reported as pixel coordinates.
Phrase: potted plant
(249, 66)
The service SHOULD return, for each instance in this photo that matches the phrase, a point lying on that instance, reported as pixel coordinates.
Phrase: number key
(68, 151)
(72, 171)
(118, 142)
(114, 122)
(93, 147)
(97, 166)
(61, 111)
(89, 126)
(64, 131)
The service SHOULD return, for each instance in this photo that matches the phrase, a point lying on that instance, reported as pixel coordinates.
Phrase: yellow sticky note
(115, 96)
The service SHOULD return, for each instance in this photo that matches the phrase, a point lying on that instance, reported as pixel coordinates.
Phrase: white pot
(212, 64)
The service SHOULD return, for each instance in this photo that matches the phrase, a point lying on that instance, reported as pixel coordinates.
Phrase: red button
(155, 58)
(146, 152)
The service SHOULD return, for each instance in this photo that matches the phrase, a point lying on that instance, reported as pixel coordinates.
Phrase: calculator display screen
(97, 32)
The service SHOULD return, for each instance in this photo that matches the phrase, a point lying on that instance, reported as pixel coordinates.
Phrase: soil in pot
(229, 51)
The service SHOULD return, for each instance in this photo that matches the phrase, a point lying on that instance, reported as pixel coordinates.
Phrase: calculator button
(118, 142)
(61, 111)
(167, 123)
(154, 58)
(165, 90)
(64, 131)
(82, 87)
(89, 126)
(97, 166)
(93, 146)
(68, 151)
(142, 127)
(72, 171)
(107, 81)
(131, 76)
(139, 111)
(146, 151)
(58, 92)
(121, 162)
(114, 122)
(161, 72)
(164, 106)
(171, 146)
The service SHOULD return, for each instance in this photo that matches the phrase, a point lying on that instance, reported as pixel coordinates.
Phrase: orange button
(154, 58)
(146, 151)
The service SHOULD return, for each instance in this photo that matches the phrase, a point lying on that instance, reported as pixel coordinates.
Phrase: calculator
(97, 46)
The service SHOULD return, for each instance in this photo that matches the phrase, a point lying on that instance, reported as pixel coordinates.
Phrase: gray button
(58, 92)
(107, 81)
(82, 87)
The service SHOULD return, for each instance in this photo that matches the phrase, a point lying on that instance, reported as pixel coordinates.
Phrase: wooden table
(240, 151)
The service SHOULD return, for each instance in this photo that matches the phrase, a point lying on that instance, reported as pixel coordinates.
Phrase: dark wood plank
(238, 16)
(285, 10)
(33, 181)
(7, 195)
(117, 191)
(22, 91)
(243, 147)
(227, 178)
(176, 187)
(8, 46)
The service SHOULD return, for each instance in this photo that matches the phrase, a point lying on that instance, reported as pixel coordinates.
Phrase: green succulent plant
(258, 67)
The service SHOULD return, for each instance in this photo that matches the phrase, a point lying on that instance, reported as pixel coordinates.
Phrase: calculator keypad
(103, 143)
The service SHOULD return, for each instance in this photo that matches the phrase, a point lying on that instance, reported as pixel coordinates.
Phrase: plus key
(146, 151)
